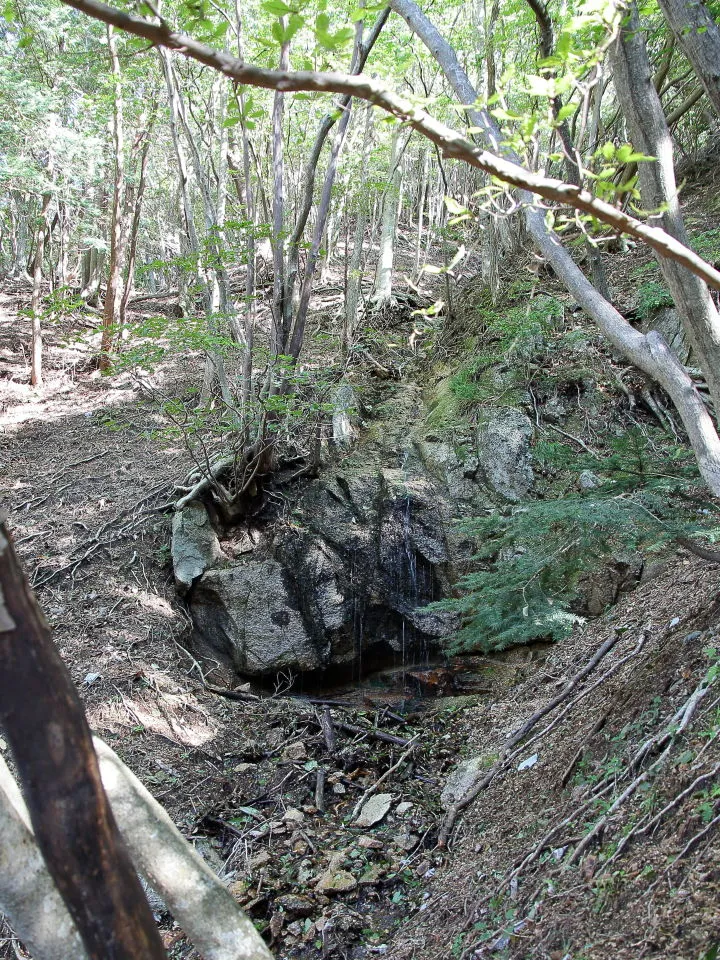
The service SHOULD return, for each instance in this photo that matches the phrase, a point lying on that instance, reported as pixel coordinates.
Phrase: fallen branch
(678, 724)
(642, 829)
(506, 756)
(198, 900)
(374, 733)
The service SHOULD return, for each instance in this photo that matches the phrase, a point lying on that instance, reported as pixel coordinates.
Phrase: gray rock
(504, 452)
(345, 404)
(373, 810)
(247, 613)
(588, 480)
(336, 881)
(195, 546)
(667, 322)
(461, 779)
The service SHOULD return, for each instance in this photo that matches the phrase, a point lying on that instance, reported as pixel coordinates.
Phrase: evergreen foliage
(531, 559)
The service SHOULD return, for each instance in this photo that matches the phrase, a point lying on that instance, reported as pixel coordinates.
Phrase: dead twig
(371, 789)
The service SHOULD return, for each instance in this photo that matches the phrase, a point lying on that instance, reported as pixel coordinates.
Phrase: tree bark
(113, 293)
(71, 817)
(699, 37)
(135, 225)
(650, 135)
(198, 900)
(36, 372)
(388, 228)
(28, 896)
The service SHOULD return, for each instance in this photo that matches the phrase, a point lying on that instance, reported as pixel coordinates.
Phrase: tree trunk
(281, 307)
(135, 226)
(36, 373)
(355, 269)
(699, 36)
(648, 352)
(52, 747)
(650, 135)
(388, 230)
(113, 293)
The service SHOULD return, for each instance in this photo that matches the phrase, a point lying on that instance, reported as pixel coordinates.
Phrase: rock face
(345, 581)
(504, 452)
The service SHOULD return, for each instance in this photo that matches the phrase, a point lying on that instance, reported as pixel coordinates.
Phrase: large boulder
(345, 578)
(247, 614)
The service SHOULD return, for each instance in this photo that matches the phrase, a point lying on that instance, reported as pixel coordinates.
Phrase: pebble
(695, 635)
(296, 904)
(402, 808)
(295, 751)
(259, 860)
(293, 815)
(369, 843)
(339, 881)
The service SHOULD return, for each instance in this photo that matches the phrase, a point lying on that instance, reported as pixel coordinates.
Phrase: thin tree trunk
(648, 352)
(113, 293)
(388, 230)
(650, 135)
(214, 366)
(699, 36)
(135, 226)
(281, 308)
(355, 271)
(36, 363)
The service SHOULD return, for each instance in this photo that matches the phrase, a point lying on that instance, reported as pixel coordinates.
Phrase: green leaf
(564, 113)
(276, 7)
(295, 23)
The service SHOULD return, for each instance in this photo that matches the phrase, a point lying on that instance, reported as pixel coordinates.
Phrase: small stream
(406, 688)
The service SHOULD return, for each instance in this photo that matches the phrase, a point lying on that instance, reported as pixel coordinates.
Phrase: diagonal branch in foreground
(451, 143)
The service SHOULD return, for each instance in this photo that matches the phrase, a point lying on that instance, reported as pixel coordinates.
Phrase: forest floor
(268, 788)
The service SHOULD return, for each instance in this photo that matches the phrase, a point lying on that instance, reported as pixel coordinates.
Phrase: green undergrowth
(533, 558)
(494, 365)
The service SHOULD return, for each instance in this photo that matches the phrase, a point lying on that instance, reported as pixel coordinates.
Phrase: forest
(359, 479)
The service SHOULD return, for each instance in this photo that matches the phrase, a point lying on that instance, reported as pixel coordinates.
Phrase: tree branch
(448, 140)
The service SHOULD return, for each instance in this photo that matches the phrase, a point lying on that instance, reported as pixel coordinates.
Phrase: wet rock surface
(345, 578)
